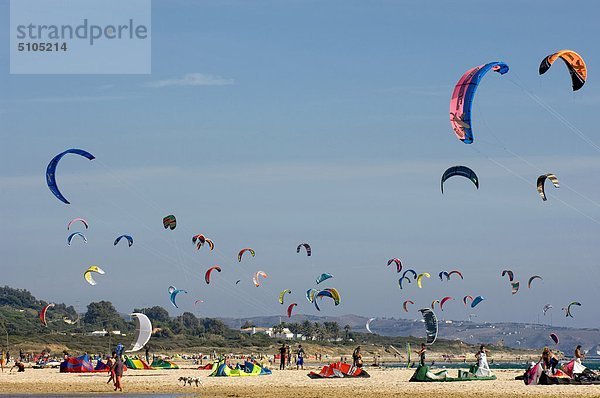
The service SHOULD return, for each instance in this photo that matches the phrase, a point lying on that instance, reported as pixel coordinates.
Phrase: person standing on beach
(119, 366)
(300, 354)
(421, 354)
(289, 355)
(282, 351)
(579, 356)
(110, 362)
(357, 358)
(2, 360)
(483, 369)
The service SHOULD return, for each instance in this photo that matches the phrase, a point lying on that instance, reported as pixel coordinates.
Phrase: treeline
(319, 331)
(19, 316)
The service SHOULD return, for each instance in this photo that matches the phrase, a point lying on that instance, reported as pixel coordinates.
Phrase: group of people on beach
(115, 369)
(285, 354)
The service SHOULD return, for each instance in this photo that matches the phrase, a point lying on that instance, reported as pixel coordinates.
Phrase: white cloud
(192, 79)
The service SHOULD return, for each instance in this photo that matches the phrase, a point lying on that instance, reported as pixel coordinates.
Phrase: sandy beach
(287, 383)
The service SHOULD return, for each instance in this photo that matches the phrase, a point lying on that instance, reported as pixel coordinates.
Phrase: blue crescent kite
(51, 171)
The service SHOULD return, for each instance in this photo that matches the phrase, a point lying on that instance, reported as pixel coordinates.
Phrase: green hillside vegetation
(68, 331)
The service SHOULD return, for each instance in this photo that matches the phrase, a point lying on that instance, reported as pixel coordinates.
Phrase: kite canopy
(255, 277)
(310, 294)
(455, 272)
(575, 65)
(444, 300)
(283, 292)
(70, 237)
(510, 274)
(43, 314)
(554, 338)
(306, 246)
(128, 237)
(397, 262)
(170, 222)
(540, 184)
(467, 297)
(532, 279)
(412, 271)
(241, 253)
(85, 223)
(515, 287)
(462, 99)
(143, 330)
(403, 278)
(431, 325)
(323, 277)
(476, 301)
(568, 309)
(546, 308)
(420, 278)
(88, 274)
(368, 325)
(51, 171)
(462, 171)
(290, 308)
(174, 296)
(406, 303)
(209, 272)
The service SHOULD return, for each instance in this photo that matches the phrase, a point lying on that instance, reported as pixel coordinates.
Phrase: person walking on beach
(300, 360)
(289, 355)
(2, 360)
(119, 366)
(110, 362)
(357, 358)
(282, 351)
(579, 356)
(421, 354)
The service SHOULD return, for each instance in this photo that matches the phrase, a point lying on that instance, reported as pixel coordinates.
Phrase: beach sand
(287, 383)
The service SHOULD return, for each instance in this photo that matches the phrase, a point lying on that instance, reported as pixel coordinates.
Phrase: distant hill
(514, 335)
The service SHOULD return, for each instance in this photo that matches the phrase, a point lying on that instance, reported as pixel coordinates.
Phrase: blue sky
(268, 123)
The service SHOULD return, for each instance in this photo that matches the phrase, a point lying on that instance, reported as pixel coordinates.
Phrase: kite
(241, 253)
(568, 309)
(433, 303)
(331, 293)
(143, 330)
(532, 279)
(575, 65)
(515, 287)
(198, 301)
(444, 274)
(510, 274)
(540, 184)
(171, 289)
(431, 325)
(420, 278)
(70, 238)
(306, 246)
(467, 297)
(405, 304)
(255, 277)
(88, 274)
(174, 296)
(290, 308)
(201, 240)
(546, 308)
(310, 294)
(283, 292)
(554, 338)
(369, 324)
(323, 277)
(444, 300)
(170, 222)
(476, 301)
(455, 272)
(398, 264)
(210, 270)
(401, 279)
(51, 171)
(462, 171)
(411, 271)
(462, 99)
(238, 281)
(43, 314)
(85, 223)
(128, 237)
